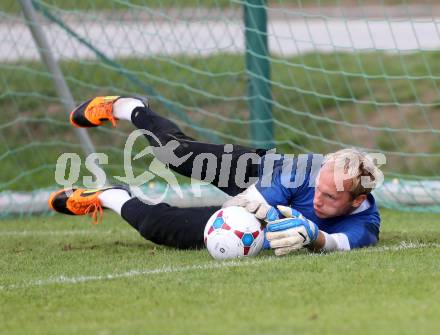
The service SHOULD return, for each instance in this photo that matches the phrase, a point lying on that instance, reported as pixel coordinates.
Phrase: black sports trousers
(173, 226)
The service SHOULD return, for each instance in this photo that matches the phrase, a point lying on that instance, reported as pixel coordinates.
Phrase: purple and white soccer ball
(233, 232)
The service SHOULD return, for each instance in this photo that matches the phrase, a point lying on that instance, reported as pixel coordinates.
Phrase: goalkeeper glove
(291, 233)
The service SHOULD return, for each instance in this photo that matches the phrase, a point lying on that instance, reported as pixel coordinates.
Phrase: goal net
(354, 73)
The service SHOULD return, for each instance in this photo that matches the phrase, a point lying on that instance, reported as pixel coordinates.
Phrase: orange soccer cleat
(77, 202)
(93, 112)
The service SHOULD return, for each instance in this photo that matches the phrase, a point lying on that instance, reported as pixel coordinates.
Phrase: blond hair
(359, 166)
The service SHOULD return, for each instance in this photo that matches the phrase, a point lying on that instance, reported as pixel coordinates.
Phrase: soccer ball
(233, 232)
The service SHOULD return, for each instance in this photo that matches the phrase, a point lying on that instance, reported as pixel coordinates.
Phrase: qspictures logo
(288, 170)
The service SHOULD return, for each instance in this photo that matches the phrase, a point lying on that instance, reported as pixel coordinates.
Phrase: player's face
(328, 201)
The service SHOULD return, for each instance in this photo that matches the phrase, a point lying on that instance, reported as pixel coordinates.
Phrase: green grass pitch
(61, 275)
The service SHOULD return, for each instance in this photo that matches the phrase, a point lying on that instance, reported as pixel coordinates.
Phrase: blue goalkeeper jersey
(361, 229)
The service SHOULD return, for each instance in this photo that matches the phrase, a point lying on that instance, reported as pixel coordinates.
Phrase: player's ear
(358, 200)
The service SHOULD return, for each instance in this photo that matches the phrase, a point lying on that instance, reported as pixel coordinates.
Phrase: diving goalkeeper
(319, 213)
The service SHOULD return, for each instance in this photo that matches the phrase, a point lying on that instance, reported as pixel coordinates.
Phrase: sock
(114, 199)
(123, 107)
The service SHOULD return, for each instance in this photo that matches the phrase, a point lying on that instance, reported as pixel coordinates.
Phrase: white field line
(60, 232)
(134, 273)
(405, 245)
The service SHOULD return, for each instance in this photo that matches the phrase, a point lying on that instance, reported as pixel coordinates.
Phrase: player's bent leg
(182, 153)
(167, 225)
(162, 224)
